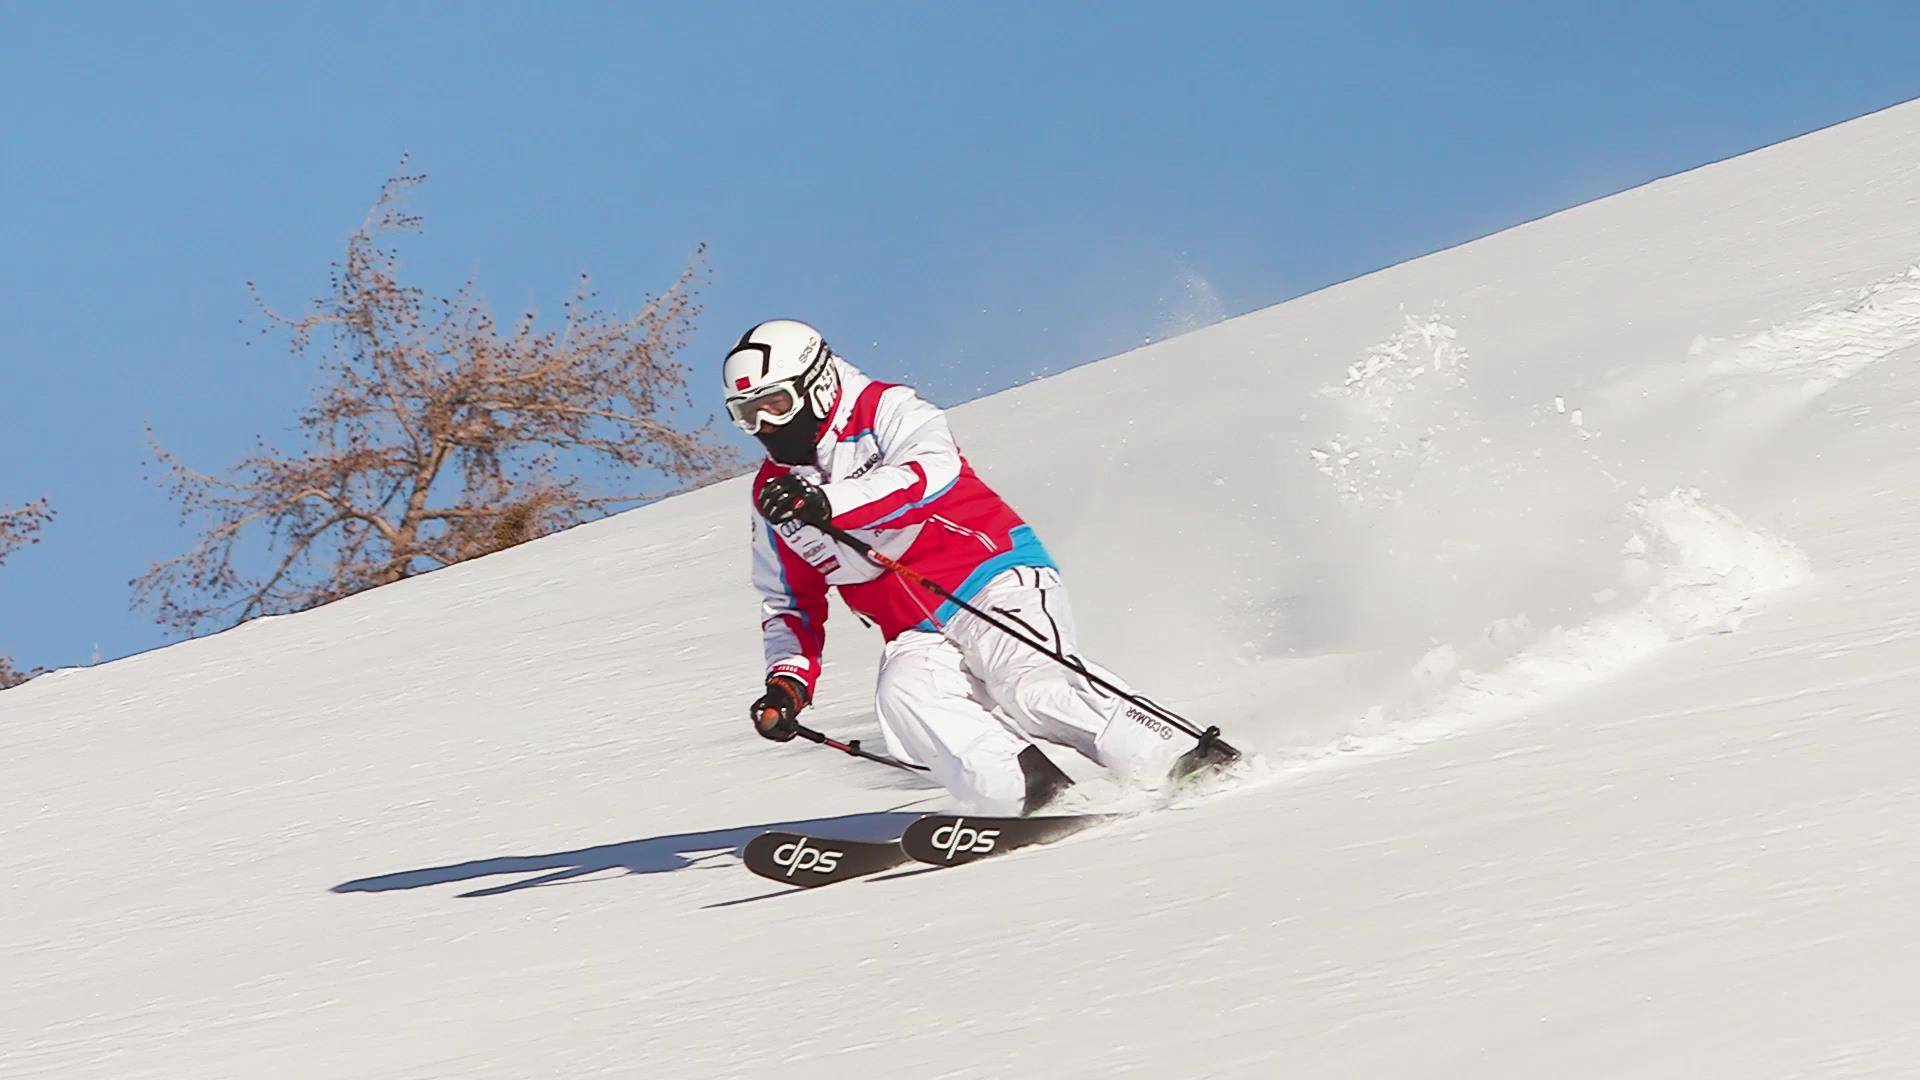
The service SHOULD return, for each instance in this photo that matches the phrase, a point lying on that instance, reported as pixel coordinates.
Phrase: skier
(876, 460)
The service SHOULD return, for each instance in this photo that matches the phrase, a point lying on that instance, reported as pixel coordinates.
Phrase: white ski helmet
(774, 370)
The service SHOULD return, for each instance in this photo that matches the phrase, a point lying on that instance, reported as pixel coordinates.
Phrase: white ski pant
(938, 693)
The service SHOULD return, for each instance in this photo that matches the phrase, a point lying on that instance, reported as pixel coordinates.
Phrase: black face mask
(794, 442)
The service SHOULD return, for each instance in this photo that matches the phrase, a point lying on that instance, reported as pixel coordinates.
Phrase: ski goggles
(770, 406)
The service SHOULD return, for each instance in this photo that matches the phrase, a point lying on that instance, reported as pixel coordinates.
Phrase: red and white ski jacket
(894, 478)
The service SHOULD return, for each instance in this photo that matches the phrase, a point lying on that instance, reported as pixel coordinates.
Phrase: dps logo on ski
(955, 838)
(799, 855)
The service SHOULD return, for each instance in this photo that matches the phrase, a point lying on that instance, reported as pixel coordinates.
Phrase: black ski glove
(773, 715)
(790, 498)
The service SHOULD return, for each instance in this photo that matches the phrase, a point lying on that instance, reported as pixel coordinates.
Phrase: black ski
(953, 839)
(936, 839)
(810, 861)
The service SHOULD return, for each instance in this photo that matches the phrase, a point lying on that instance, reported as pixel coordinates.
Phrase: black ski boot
(1211, 756)
(1045, 780)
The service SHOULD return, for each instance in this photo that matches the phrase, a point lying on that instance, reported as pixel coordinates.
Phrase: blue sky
(964, 196)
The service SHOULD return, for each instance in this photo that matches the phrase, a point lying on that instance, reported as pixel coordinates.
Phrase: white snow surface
(1565, 583)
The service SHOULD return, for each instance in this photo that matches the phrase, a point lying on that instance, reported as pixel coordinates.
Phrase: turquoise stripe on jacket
(1027, 550)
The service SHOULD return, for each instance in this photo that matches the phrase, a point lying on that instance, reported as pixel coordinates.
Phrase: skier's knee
(1043, 695)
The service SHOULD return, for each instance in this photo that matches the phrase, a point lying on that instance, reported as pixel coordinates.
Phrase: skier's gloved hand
(791, 498)
(773, 715)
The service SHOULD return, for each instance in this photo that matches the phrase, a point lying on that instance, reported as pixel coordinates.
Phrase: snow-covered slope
(1566, 582)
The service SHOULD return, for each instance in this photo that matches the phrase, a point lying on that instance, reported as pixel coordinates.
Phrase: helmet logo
(826, 385)
(742, 383)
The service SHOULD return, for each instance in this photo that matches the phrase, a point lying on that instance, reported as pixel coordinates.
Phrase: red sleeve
(793, 603)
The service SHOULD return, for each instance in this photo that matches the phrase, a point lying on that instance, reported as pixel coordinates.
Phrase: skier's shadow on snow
(657, 855)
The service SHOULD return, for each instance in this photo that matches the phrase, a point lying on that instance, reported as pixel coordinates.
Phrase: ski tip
(811, 861)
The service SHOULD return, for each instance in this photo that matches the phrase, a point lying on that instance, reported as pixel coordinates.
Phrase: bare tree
(18, 528)
(436, 435)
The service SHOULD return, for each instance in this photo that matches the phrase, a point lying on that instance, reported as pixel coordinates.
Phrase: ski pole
(853, 748)
(1208, 737)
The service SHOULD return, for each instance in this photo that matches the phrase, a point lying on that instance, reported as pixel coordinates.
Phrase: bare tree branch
(18, 528)
(21, 526)
(436, 434)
